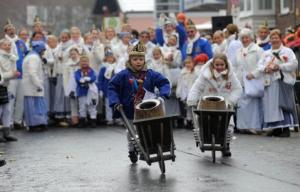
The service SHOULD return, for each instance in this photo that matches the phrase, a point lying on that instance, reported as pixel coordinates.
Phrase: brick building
(287, 14)
(277, 13)
(57, 14)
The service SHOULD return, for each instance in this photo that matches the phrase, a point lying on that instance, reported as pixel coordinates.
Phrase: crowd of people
(81, 77)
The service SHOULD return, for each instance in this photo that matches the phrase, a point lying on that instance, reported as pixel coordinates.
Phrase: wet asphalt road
(88, 160)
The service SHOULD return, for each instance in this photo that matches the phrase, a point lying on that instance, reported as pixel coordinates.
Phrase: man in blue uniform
(195, 44)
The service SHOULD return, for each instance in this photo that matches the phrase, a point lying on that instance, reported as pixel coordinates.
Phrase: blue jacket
(22, 51)
(103, 82)
(200, 46)
(83, 87)
(179, 29)
(121, 91)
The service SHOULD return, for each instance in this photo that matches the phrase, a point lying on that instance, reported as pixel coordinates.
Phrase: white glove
(101, 94)
(161, 99)
(81, 80)
(87, 79)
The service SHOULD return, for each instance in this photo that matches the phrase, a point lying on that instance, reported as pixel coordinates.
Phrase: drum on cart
(211, 120)
(152, 132)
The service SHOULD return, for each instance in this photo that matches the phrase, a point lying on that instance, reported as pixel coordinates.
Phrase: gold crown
(37, 20)
(190, 24)
(94, 27)
(8, 24)
(265, 22)
(138, 50)
(84, 55)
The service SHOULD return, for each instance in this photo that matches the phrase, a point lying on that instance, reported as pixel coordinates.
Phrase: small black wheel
(172, 151)
(213, 151)
(161, 159)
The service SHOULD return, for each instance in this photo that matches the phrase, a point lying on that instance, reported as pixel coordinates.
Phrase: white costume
(7, 68)
(175, 64)
(249, 111)
(205, 85)
(161, 67)
(274, 116)
(219, 48)
(232, 45)
(184, 85)
(96, 56)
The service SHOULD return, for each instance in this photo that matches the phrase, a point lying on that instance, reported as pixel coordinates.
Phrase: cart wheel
(172, 151)
(161, 159)
(213, 151)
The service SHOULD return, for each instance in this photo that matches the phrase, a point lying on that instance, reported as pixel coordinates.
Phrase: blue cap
(38, 46)
(123, 33)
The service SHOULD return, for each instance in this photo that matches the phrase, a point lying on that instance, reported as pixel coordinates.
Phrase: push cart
(210, 129)
(153, 138)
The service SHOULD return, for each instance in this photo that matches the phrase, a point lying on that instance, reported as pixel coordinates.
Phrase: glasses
(190, 32)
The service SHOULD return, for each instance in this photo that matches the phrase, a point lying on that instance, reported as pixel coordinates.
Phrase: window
(285, 6)
(286, 3)
(248, 5)
(265, 4)
(245, 5)
(242, 5)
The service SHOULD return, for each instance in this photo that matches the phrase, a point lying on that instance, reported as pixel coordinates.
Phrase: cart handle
(133, 135)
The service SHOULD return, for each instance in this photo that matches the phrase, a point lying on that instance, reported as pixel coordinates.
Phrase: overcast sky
(136, 5)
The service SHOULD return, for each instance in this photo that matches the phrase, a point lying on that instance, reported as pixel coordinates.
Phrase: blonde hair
(189, 59)
(4, 40)
(232, 29)
(262, 27)
(225, 59)
(219, 32)
(157, 49)
(275, 32)
(75, 29)
(52, 37)
(74, 49)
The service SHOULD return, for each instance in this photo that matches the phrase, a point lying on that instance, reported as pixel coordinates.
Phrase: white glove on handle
(87, 79)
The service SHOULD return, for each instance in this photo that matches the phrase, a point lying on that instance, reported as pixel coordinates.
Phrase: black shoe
(10, 138)
(142, 157)
(7, 136)
(236, 131)
(43, 127)
(189, 124)
(285, 132)
(82, 123)
(93, 123)
(226, 152)
(2, 140)
(18, 126)
(274, 132)
(133, 156)
(2, 162)
(34, 129)
(180, 123)
(277, 132)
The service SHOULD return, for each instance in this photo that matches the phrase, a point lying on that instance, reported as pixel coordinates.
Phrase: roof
(136, 5)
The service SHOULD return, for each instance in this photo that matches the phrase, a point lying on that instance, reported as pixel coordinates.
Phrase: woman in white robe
(249, 110)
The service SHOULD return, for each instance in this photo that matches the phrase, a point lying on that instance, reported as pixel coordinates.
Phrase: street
(67, 159)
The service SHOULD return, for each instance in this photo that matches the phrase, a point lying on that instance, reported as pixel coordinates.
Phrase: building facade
(287, 14)
(282, 14)
(252, 13)
(57, 14)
